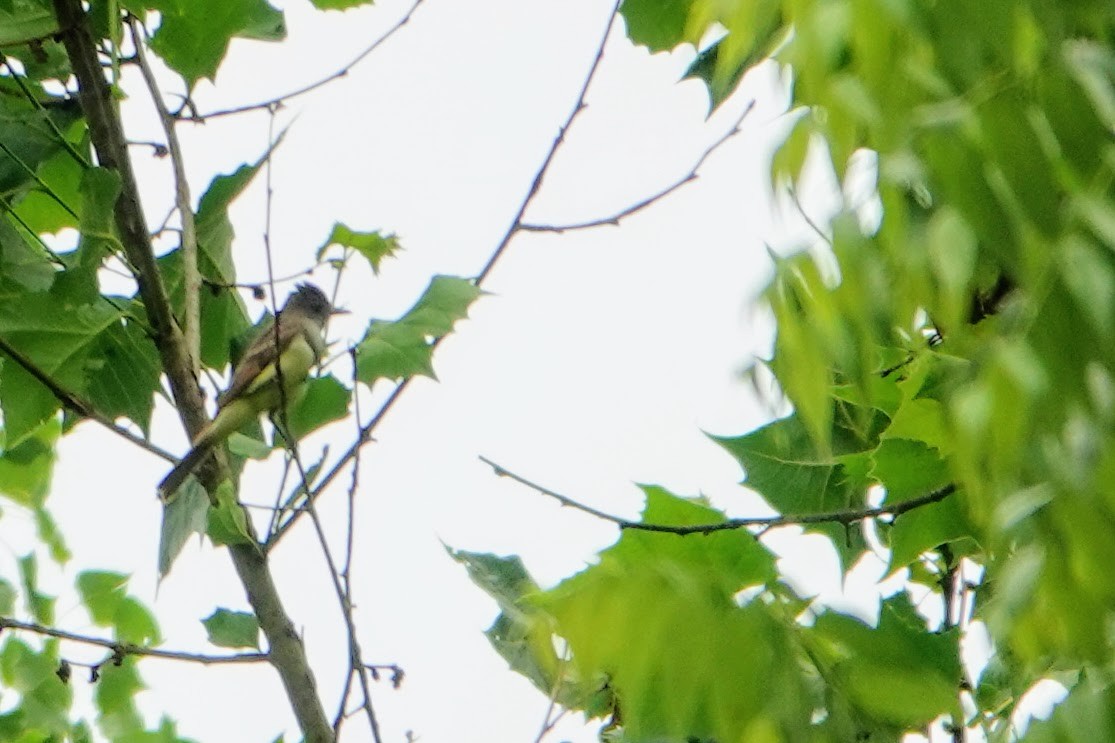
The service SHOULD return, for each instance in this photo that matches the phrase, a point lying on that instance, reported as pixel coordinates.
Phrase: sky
(598, 358)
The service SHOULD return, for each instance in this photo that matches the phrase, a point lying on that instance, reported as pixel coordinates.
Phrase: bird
(296, 341)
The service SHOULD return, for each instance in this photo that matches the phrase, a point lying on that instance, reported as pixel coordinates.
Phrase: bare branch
(845, 516)
(517, 221)
(365, 434)
(190, 275)
(638, 206)
(127, 648)
(275, 102)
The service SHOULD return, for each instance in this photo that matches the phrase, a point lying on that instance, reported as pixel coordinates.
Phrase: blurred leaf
(101, 592)
(658, 24)
(226, 521)
(26, 469)
(45, 699)
(521, 633)
(339, 4)
(670, 639)
(114, 695)
(39, 605)
(1088, 713)
(374, 246)
(183, 517)
(232, 629)
(897, 672)
(8, 596)
(104, 595)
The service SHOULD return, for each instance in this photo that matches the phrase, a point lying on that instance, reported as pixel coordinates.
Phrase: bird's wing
(252, 372)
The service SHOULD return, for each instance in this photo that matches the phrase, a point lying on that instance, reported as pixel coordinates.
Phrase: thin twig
(346, 571)
(78, 406)
(191, 278)
(342, 72)
(614, 219)
(517, 222)
(845, 516)
(127, 648)
(550, 720)
(805, 215)
(514, 227)
(355, 661)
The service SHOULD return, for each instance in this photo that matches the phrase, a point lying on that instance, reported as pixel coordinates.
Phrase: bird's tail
(185, 467)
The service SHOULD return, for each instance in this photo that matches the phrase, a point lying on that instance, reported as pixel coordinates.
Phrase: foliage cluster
(72, 352)
(963, 344)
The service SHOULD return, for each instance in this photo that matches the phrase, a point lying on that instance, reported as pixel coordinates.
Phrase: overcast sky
(598, 359)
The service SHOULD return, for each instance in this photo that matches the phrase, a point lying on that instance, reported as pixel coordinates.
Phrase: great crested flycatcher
(287, 353)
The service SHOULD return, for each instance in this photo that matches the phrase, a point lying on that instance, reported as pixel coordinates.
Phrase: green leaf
(39, 605)
(193, 38)
(400, 349)
(232, 629)
(898, 672)
(102, 592)
(124, 374)
(214, 228)
(183, 517)
(61, 340)
(114, 695)
(374, 246)
(521, 633)
(51, 536)
(248, 447)
(29, 140)
(45, 698)
(104, 595)
(783, 466)
(325, 400)
(135, 623)
(26, 469)
(227, 523)
(658, 24)
(1088, 713)
(670, 642)
(339, 4)
(49, 209)
(7, 598)
(907, 469)
(23, 263)
(23, 22)
(100, 188)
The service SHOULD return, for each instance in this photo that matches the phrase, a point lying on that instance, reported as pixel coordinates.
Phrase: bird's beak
(339, 311)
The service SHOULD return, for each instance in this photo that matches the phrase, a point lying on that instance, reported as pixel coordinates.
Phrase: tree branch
(191, 278)
(126, 648)
(287, 653)
(614, 219)
(844, 516)
(365, 434)
(273, 102)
